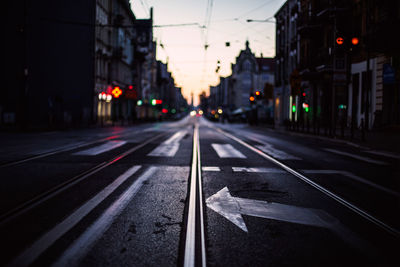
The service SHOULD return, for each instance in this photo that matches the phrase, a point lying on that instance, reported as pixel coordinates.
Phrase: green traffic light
(153, 102)
(139, 102)
(293, 108)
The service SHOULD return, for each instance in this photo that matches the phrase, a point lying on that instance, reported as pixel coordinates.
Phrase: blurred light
(173, 111)
(339, 40)
(130, 87)
(158, 101)
(216, 116)
(139, 102)
(201, 112)
(213, 112)
(251, 98)
(108, 97)
(354, 41)
(306, 107)
(220, 111)
(164, 110)
(193, 113)
(116, 92)
(153, 102)
(342, 106)
(258, 93)
(294, 108)
(304, 94)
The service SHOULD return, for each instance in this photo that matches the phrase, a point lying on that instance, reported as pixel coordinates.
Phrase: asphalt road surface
(195, 193)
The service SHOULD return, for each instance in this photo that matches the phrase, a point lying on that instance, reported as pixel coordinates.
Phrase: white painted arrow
(232, 209)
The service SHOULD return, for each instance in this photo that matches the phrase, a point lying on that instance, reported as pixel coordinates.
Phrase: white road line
(369, 160)
(101, 148)
(74, 254)
(227, 151)
(322, 189)
(28, 256)
(169, 147)
(259, 170)
(211, 169)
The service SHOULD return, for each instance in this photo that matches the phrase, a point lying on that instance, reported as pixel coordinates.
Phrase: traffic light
(294, 108)
(340, 40)
(258, 95)
(252, 99)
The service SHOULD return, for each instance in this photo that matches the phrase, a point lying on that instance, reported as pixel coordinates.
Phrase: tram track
(59, 188)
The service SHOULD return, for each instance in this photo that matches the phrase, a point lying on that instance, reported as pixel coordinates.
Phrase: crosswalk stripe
(169, 147)
(227, 151)
(101, 148)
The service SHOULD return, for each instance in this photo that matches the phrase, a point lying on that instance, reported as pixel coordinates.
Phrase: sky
(212, 22)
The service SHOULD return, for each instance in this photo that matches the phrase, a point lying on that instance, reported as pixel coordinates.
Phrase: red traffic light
(251, 98)
(130, 87)
(355, 41)
(158, 101)
(339, 40)
(164, 110)
(116, 92)
(258, 93)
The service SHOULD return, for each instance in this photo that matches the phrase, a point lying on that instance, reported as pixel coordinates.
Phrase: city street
(195, 193)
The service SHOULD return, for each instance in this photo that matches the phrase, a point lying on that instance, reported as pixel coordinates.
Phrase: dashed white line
(101, 148)
(369, 160)
(211, 169)
(227, 151)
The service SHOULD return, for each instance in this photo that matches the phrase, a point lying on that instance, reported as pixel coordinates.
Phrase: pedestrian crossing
(227, 151)
(169, 147)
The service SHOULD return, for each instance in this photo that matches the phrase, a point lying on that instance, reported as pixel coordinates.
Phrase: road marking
(369, 160)
(227, 151)
(332, 195)
(260, 170)
(101, 148)
(28, 256)
(211, 169)
(79, 248)
(169, 147)
(189, 259)
(232, 209)
(276, 153)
